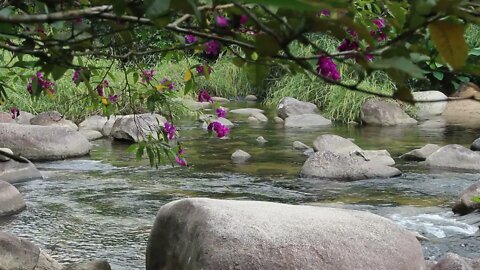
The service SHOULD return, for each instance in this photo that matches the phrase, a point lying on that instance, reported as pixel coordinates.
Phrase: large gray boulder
(52, 118)
(107, 128)
(454, 156)
(431, 103)
(475, 145)
(89, 265)
(91, 135)
(43, 142)
(465, 204)
(20, 254)
(306, 121)
(13, 171)
(94, 122)
(346, 167)
(11, 201)
(381, 113)
(135, 128)
(420, 154)
(200, 233)
(452, 261)
(334, 143)
(289, 106)
(246, 111)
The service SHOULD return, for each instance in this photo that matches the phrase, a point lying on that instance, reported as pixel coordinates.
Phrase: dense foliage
(405, 39)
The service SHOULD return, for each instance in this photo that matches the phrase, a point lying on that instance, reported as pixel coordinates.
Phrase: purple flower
(100, 90)
(212, 47)
(352, 33)
(203, 96)
(42, 82)
(106, 83)
(201, 70)
(113, 98)
(76, 74)
(243, 19)
(181, 151)
(170, 129)
(221, 112)
(380, 23)
(221, 21)
(348, 45)
(147, 75)
(180, 161)
(189, 39)
(379, 35)
(168, 83)
(15, 112)
(219, 128)
(324, 12)
(327, 68)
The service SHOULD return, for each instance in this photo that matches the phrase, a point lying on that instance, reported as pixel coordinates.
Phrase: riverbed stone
(11, 201)
(452, 261)
(345, 167)
(91, 135)
(420, 154)
(334, 143)
(6, 118)
(300, 145)
(223, 121)
(196, 105)
(24, 118)
(260, 116)
(94, 122)
(89, 265)
(465, 205)
(278, 120)
(107, 127)
(261, 140)
(43, 142)
(220, 99)
(13, 171)
(246, 111)
(432, 103)
(467, 90)
(20, 254)
(306, 121)
(136, 127)
(381, 113)
(251, 98)
(466, 110)
(52, 118)
(4, 158)
(456, 157)
(240, 156)
(290, 106)
(201, 233)
(475, 145)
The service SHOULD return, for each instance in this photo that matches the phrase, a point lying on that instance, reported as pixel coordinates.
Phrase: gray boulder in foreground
(455, 157)
(306, 121)
(201, 233)
(346, 167)
(13, 171)
(382, 113)
(11, 201)
(475, 145)
(420, 154)
(43, 142)
(137, 127)
(20, 254)
(289, 106)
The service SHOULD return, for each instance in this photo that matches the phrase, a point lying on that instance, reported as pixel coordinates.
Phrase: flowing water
(103, 206)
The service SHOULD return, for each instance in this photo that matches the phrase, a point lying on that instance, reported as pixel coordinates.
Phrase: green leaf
(266, 45)
(449, 40)
(140, 150)
(132, 148)
(189, 86)
(438, 75)
(58, 71)
(398, 12)
(239, 62)
(474, 52)
(156, 8)
(399, 63)
(257, 73)
(119, 6)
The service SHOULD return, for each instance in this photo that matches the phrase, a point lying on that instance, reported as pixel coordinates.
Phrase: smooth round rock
(251, 98)
(136, 127)
(261, 140)
(246, 111)
(420, 154)
(11, 201)
(306, 121)
(14, 172)
(52, 118)
(455, 157)
(300, 146)
(94, 122)
(240, 156)
(5, 158)
(289, 106)
(381, 113)
(475, 145)
(431, 103)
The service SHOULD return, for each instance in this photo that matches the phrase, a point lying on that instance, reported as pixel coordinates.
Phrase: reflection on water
(104, 206)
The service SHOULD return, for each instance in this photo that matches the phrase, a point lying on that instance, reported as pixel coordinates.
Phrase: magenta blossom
(147, 75)
(203, 96)
(166, 82)
(212, 47)
(189, 39)
(180, 161)
(221, 21)
(76, 74)
(113, 98)
(100, 86)
(221, 112)
(348, 45)
(324, 12)
(181, 151)
(42, 82)
(380, 23)
(201, 70)
(219, 128)
(379, 35)
(170, 129)
(15, 112)
(352, 33)
(327, 68)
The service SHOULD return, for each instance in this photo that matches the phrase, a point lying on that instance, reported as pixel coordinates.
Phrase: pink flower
(212, 47)
(201, 70)
(147, 75)
(170, 129)
(168, 83)
(203, 96)
(327, 68)
(222, 21)
(221, 112)
(189, 39)
(113, 98)
(243, 19)
(15, 112)
(219, 128)
(348, 45)
(380, 23)
(76, 74)
(43, 83)
(180, 161)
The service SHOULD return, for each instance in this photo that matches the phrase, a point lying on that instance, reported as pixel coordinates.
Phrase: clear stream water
(103, 206)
